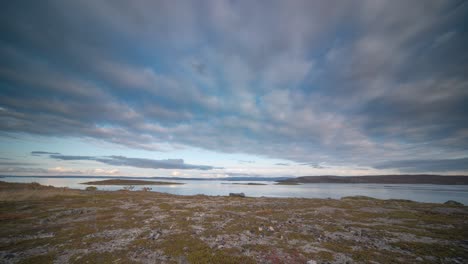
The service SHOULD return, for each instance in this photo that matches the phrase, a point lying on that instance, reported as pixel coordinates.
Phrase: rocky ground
(41, 224)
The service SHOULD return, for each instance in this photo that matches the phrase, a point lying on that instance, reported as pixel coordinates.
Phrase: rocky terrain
(42, 224)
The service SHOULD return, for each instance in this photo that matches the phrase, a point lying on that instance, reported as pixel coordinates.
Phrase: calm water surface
(415, 192)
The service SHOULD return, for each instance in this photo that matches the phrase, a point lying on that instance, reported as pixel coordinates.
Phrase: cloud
(445, 37)
(22, 170)
(70, 171)
(62, 170)
(137, 162)
(17, 170)
(313, 165)
(282, 164)
(105, 172)
(440, 165)
(37, 153)
(14, 163)
(380, 83)
(246, 161)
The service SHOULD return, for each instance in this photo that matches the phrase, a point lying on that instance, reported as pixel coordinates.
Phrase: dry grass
(32, 191)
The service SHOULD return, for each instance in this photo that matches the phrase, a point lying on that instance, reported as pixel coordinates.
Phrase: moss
(118, 256)
(179, 244)
(300, 236)
(196, 251)
(165, 206)
(325, 256)
(433, 249)
(257, 247)
(333, 228)
(338, 246)
(22, 245)
(383, 257)
(47, 258)
(208, 256)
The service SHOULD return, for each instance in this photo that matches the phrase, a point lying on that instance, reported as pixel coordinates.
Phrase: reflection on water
(415, 192)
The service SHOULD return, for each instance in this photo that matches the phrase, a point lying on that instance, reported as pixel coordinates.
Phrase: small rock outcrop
(452, 202)
(237, 194)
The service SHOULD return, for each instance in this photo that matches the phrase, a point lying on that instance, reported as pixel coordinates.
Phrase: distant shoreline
(370, 179)
(129, 182)
(382, 179)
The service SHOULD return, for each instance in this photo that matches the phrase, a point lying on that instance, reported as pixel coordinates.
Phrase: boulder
(237, 194)
(452, 202)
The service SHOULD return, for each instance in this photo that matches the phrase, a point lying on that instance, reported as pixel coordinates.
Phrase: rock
(454, 203)
(237, 194)
(9, 256)
(271, 229)
(260, 229)
(311, 262)
(154, 235)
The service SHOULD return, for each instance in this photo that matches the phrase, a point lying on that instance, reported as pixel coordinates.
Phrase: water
(416, 192)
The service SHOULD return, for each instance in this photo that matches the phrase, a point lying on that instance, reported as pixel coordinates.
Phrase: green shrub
(91, 188)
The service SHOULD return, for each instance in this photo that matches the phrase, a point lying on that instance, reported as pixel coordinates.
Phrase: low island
(380, 179)
(130, 182)
(249, 183)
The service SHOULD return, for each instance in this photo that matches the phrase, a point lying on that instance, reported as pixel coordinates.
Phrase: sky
(233, 88)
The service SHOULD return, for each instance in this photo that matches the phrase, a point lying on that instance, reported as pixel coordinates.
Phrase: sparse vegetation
(146, 189)
(129, 188)
(91, 188)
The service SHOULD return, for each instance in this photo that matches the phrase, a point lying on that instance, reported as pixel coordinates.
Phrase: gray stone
(237, 194)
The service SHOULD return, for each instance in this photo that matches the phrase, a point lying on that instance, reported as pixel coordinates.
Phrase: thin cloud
(246, 161)
(14, 163)
(38, 153)
(430, 165)
(137, 162)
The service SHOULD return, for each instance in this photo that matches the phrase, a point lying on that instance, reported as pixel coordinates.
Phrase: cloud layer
(355, 83)
(137, 162)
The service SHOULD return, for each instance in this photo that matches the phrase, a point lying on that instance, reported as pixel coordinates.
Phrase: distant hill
(232, 178)
(129, 182)
(388, 179)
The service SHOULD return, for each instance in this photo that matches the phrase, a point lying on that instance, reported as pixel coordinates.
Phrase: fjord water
(416, 192)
